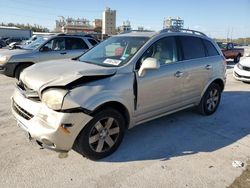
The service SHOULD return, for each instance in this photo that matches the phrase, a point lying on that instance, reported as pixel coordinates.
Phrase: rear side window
(192, 47)
(92, 41)
(75, 44)
(211, 50)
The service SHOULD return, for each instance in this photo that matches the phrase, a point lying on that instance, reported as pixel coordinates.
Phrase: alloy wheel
(104, 135)
(213, 99)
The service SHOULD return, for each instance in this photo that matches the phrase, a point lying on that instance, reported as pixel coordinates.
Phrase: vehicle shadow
(187, 132)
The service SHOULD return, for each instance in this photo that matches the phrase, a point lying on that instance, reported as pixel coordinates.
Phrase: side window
(56, 44)
(192, 47)
(164, 50)
(92, 41)
(211, 50)
(75, 44)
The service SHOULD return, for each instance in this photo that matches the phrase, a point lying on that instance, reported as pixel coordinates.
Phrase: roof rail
(183, 30)
(131, 31)
(75, 35)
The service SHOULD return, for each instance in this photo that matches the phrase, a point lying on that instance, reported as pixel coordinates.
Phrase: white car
(242, 70)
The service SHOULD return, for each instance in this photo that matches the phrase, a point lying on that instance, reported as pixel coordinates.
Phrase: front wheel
(210, 100)
(102, 135)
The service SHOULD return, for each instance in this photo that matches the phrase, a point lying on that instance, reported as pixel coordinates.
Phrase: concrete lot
(181, 150)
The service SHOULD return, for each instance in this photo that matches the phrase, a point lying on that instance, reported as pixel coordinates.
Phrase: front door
(160, 90)
(53, 49)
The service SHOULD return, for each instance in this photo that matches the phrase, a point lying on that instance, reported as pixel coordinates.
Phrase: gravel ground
(184, 149)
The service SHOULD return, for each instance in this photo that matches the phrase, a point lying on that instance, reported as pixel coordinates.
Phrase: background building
(71, 25)
(126, 27)
(109, 22)
(97, 23)
(14, 32)
(173, 23)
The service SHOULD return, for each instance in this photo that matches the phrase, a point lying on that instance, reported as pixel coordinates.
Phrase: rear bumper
(45, 125)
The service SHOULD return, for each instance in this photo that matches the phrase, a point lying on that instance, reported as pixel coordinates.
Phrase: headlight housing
(240, 66)
(4, 59)
(53, 98)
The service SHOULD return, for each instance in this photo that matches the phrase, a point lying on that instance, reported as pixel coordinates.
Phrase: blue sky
(217, 18)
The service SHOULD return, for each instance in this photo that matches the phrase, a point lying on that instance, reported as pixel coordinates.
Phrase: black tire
(88, 148)
(237, 59)
(19, 69)
(208, 104)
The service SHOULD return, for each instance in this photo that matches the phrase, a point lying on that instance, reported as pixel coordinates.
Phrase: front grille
(19, 110)
(246, 68)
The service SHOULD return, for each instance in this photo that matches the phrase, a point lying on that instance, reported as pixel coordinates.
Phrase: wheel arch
(22, 64)
(218, 81)
(117, 106)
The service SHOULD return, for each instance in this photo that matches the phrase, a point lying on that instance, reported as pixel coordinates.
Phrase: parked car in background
(242, 70)
(11, 40)
(2, 43)
(20, 45)
(230, 52)
(87, 103)
(61, 46)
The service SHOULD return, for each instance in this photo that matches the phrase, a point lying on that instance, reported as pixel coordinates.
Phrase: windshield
(115, 51)
(35, 44)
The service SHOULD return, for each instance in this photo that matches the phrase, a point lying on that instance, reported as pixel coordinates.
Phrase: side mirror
(149, 63)
(44, 49)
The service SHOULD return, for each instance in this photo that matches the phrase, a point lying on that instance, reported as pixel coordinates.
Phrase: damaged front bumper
(51, 129)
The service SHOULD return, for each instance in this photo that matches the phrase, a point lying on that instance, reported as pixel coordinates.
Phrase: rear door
(75, 47)
(198, 68)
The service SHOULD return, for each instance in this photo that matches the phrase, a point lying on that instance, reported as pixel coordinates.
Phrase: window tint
(192, 47)
(211, 50)
(92, 41)
(164, 50)
(56, 44)
(75, 44)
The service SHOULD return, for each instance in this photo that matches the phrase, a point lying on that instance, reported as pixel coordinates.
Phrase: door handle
(63, 53)
(208, 67)
(178, 74)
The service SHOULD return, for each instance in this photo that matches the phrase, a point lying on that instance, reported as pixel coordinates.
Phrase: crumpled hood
(13, 52)
(245, 62)
(60, 73)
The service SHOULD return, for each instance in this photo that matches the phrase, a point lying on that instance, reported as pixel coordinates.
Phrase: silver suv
(88, 103)
(12, 62)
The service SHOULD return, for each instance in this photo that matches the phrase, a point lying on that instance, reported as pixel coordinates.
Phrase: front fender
(118, 88)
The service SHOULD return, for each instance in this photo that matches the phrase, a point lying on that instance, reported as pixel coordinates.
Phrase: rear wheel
(19, 69)
(102, 135)
(237, 59)
(210, 100)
